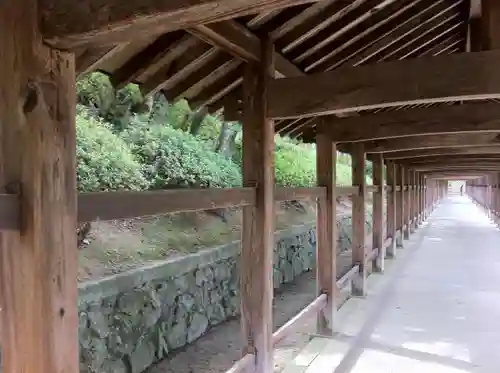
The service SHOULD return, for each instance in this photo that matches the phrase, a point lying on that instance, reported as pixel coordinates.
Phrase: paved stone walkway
(435, 310)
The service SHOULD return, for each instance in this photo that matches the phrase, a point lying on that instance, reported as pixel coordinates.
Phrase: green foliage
(173, 158)
(104, 161)
(96, 92)
(295, 163)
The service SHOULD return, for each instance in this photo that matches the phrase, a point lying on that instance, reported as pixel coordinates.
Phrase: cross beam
(74, 23)
(473, 117)
(453, 77)
(428, 142)
(420, 153)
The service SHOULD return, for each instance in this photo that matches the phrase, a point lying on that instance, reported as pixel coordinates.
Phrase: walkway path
(436, 309)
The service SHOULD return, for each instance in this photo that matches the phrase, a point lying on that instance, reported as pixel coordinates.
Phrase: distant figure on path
(461, 190)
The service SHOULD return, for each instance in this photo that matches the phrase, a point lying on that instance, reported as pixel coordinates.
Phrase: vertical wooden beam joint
(358, 219)
(326, 246)
(378, 223)
(258, 221)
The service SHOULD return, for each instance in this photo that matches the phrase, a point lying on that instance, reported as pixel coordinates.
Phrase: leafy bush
(295, 163)
(96, 92)
(172, 157)
(104, 161)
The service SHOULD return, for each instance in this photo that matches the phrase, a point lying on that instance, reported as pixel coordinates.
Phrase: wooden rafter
(473, 117)
(390, 34)
(69, 24)
(370, 25)
(240, 42)
(466, 76)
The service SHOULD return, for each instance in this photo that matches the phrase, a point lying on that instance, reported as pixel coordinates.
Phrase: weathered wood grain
(258, 222)
(454, 77)
(378, 212)
(38, 262)
(358, 219)
(326, 252)
(473, 117)
(70, 23)
(123, 205)
(391, 208)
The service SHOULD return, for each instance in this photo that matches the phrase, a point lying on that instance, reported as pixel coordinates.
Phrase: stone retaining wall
(130, 320)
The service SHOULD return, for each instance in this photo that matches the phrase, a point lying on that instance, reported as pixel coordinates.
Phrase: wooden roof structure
(413, 84)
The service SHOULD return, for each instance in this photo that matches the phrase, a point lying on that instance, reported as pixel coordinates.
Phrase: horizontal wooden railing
(314, 307)
(243, 365)
(122, 205)
(131, 204)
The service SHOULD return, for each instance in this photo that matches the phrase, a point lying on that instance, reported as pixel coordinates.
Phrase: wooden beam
(68, 24)
(398, 30)
(315, 307)
(240, 42)
(400, 213)
(326, 251)
(451, 158)
(456, 77)
(484, 117)
(431, 141)
(91, 58)
(407, 203)
(391, 208)
(423, 153)
(258, 222)
(125, 205)
(378, 212)
(358, 219)
(159, 53)
(38, 262)
(490, 28)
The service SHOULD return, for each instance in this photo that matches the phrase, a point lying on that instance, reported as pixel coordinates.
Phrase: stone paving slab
(436, 309)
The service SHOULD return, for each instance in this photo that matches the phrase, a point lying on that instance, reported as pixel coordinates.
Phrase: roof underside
(204, 64)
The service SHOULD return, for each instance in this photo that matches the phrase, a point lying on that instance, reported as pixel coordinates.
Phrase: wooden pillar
(378, 211)
(358, 218)
(401, 206)
(258, 221)
(413, 205)
(38, 263)
(407, 203)
(420, 194)
(391, 208)
(326, 246)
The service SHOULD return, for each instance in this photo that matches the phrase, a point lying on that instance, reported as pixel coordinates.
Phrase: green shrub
(104, 161)
(295, 163)
(172, 157)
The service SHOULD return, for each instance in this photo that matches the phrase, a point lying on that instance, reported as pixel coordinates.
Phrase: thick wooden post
(413, 190)
(391, 208)
(401, 205)
(258, 222)
(358, 218)
(422, 198)
(416, 193)
(38, 264)
(407, 203)
(378, 211)
(326, 246)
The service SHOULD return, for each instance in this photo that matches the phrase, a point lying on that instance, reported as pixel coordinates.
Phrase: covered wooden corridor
(411, 85)
(436, 309)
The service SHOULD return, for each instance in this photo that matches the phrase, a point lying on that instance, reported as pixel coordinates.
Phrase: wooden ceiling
(204, 63)
(338, 66)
